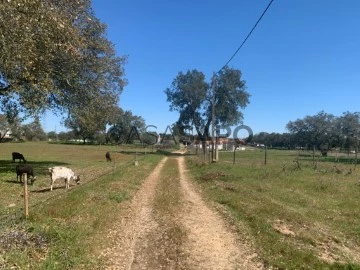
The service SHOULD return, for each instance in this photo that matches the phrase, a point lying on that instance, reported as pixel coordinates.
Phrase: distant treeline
(323, 130)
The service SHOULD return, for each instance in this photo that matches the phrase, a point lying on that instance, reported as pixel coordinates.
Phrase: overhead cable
(231, 58)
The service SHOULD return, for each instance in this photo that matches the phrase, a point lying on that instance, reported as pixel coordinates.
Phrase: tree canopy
(91, 118)
(327, 130)
(314, 130)
(276, 140)
(33, 131)
(122, 129)
(54, 55)
(193, 97)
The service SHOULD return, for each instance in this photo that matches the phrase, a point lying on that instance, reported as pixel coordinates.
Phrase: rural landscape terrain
(175, 210)
(148, 135)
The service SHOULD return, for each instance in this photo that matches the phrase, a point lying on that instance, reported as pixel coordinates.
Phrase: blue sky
(303, 57)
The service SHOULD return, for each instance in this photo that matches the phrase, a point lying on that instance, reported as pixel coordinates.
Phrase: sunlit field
(65, 228)
(302, 211)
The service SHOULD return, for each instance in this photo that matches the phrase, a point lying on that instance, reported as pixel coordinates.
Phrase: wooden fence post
(265, 154)
(313, 154)
(26, 198)
(136, 162)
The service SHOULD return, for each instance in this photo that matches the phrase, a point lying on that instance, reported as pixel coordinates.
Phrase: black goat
(25, 168)
(107, 155)
(16, 155)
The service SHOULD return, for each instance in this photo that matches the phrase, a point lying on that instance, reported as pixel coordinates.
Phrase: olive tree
(54, 55)
(125, 128)
(194, 99)
(314, 130)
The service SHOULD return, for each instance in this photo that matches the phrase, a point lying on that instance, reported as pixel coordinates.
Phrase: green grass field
(301, 214)
(65, 228)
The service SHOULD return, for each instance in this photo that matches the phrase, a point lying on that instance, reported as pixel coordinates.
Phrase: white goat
(67, 174)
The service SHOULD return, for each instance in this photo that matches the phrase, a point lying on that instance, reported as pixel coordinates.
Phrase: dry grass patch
(72, 221)
(166, 206)
(304, 218)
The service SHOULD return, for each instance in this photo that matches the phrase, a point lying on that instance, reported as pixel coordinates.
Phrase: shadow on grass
(40, 167)
(157, 152)
(30, 182)
(43, 190)
(168, 153)
(14, 182)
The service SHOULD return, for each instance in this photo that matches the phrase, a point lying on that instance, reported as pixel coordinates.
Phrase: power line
(248, 35)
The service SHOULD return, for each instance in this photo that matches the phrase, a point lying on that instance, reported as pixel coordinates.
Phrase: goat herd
(57, 172)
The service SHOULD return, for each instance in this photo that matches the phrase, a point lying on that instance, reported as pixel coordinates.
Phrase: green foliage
(66, 136)
(54, 54)
(86, 123)
(34, 131)
(192, 97)
(230, 96)
(122, 130)
(52, 135)
(313, 130)
(325, 130)
(11, 125)
(276, 140)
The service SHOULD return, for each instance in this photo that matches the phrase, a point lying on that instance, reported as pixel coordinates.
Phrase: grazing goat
(67, 174)
(24, 168)
(16, 155)
(107, 155)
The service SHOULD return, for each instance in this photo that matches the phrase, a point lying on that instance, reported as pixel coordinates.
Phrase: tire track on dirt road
(208, 243)
(136, 223)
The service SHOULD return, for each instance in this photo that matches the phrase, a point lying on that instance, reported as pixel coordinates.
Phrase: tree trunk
(107, 139)
(203, 143)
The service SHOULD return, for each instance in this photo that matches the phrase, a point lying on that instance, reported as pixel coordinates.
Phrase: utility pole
(214, 144)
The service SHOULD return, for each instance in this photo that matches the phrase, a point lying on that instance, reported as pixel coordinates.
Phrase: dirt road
(169, 226)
